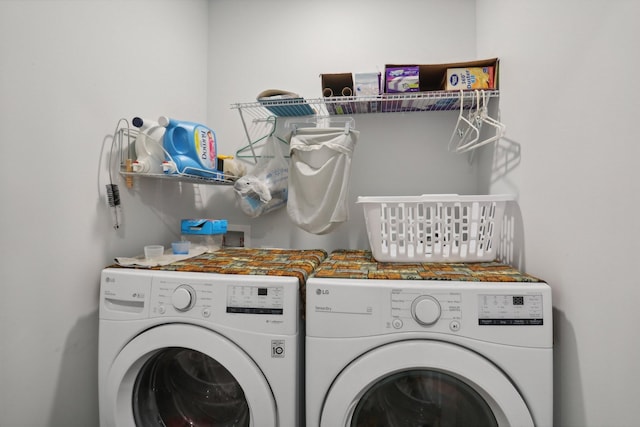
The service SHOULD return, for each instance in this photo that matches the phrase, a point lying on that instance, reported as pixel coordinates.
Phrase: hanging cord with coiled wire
(113, 192)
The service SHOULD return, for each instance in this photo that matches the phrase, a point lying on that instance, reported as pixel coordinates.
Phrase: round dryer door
(423, 383)
(184, 375)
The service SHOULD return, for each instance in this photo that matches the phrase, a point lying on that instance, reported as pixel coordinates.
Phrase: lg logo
(322, 291)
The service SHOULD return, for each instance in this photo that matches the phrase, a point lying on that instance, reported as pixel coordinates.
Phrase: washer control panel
(255, 300)
(192, 299)
(199, 299)
(426, 309)
(251, 303)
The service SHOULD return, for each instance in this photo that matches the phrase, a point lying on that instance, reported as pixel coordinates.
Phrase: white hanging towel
(319, 177)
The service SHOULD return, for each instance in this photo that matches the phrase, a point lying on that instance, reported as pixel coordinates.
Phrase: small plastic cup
(153, 251)
(180, 248)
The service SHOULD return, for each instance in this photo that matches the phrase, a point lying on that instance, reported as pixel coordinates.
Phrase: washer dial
(426, 310)
(183, 298)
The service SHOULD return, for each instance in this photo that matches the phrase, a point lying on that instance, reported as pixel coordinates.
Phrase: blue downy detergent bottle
(191, 149)
(148, 145)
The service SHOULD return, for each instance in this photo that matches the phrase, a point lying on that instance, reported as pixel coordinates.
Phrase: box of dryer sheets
(469, 78)
(433, 77)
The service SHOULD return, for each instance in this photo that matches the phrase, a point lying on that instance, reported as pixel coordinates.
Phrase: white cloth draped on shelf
(319, 174)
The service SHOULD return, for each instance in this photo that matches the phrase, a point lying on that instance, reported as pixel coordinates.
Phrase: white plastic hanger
(465, 127)
(499, 127)
(482, 116)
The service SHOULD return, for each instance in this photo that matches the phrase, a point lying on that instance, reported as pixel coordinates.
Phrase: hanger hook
(275, 124)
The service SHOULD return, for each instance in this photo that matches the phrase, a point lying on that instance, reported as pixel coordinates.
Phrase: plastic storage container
(204, 232)
(434, 227)
(191, 149)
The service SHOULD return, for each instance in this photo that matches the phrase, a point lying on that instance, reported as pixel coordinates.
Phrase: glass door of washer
(184, 375)
(183, 387)
(422, 397)
(421, 383)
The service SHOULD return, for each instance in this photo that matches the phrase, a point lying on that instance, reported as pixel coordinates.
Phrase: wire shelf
(126, 137)
(177, 177)
(374, 104)
(257, 117)
(194, 179)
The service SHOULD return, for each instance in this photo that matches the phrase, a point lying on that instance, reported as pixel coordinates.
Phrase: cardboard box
(433, 77)
(340, 84)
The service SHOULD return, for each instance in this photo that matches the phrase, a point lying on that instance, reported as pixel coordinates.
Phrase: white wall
(569, 98)
(285, 44)
(69, 70)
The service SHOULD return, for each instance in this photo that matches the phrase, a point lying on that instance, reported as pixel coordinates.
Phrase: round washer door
(415, 383)
(181, 374)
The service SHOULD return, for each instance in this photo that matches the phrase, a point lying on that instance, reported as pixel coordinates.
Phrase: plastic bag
(265, 188)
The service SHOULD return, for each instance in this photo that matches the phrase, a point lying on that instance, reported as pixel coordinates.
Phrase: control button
(454, 325)
(183, 298)
(206, 312)
(162, 309)
(425, 310)
(397, 323)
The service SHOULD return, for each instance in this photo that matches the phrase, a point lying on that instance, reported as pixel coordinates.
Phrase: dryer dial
(183, 298)
(426, 310)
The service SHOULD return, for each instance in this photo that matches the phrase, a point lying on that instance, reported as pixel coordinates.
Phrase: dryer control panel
(499, 312)
(425, 309)
(515, 310)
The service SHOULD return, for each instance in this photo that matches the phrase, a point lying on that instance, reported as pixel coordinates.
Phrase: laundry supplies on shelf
(191, 148)
(170, 149)
(148, 145)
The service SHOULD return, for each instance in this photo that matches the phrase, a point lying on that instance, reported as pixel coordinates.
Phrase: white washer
(179, 348)
(428, 353)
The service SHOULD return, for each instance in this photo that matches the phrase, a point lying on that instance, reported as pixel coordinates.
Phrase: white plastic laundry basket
(434, 227)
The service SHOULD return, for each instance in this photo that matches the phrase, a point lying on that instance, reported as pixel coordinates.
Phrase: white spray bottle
(149, 151)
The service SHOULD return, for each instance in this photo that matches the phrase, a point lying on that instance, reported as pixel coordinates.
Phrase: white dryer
(198, 349)
(428, 353)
